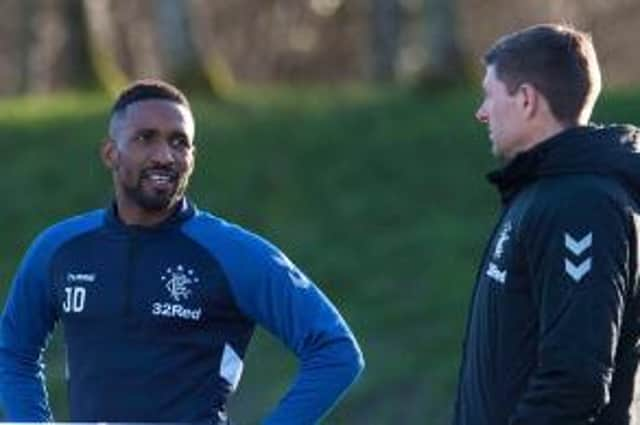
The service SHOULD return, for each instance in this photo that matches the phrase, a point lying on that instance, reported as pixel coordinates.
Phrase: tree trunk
(103, 44)
(77, 68)
(45, 36)
(178, 55)
(204, 18)
(445, 65)
(139, 51)
(25, 41)
(53, 52)
(385, 29)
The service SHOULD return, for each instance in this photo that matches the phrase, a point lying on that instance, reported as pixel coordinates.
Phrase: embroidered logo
(577, 247)
(75, 290)
(505, 235)
(495, 273)
(493, 270)
(177, 281)
(81, 277)
(295, 275)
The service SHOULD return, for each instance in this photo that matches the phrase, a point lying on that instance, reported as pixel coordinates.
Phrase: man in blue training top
(158, 299)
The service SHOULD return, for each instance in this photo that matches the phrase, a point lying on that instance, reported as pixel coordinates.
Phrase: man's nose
(162, 153)
(481, 115)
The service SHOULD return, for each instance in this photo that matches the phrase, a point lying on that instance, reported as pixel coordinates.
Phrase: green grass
(378, 195)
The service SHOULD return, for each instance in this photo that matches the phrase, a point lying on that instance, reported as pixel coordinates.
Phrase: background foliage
(377, 193)
(343, 131)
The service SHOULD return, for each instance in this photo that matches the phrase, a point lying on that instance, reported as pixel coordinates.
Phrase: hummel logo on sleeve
(577, 248)
(577, 272)
(496, 274)
(231, 366)
(295, 275)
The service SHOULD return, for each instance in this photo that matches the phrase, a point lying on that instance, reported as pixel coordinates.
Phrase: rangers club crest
(177, 281)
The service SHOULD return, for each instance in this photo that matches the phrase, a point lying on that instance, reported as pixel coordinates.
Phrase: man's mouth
(160, 178)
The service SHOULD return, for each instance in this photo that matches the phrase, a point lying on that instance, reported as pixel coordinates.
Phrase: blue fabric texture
(157, 322)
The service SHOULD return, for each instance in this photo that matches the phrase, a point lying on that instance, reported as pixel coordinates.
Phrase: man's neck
(541, 134)
(548, 131)
(133, 215)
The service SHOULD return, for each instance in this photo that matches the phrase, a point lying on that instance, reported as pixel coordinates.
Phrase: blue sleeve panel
(272, 291)
(27, 322)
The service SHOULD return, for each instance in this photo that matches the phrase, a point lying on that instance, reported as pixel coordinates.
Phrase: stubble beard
(155, 200)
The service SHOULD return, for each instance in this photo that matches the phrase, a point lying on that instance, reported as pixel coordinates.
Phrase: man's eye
(144, 137)
(180, 143)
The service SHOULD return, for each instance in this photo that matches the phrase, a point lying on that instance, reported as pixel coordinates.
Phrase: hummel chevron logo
(578, 247)
(495, 273)
(297, 277)
(577, 272)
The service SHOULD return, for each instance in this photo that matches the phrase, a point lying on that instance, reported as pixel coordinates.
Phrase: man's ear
(109, 153)
(530, 99)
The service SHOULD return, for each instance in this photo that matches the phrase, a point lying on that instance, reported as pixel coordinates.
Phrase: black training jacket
(553, 331)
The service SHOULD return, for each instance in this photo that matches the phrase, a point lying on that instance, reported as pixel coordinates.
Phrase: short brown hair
(558, 60)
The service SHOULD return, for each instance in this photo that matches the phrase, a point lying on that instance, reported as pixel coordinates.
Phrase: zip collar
(184, 211)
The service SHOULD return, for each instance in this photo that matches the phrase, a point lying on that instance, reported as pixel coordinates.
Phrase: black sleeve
(577, 248)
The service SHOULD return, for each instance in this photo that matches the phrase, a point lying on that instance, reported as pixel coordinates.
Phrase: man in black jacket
(553, 334)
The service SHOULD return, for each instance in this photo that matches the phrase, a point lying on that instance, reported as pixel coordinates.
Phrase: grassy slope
(378, 195)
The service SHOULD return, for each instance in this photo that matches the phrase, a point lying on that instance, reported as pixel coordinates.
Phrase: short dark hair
(148, 89)
(558, 60)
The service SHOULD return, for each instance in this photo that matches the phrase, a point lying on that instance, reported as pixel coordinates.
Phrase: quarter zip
(130, 275)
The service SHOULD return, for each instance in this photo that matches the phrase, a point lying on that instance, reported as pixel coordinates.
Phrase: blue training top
(157, 322)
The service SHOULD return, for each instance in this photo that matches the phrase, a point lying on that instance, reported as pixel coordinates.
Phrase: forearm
(324, 376)
(22, 389)
(567, 388)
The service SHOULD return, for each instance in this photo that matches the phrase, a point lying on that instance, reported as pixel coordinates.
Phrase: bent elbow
(356, 362)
